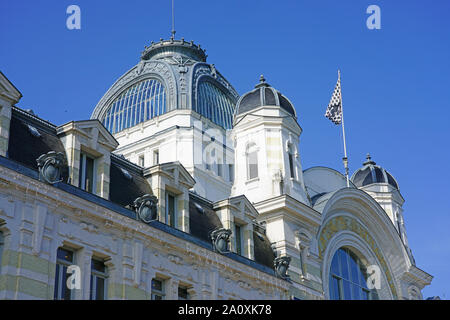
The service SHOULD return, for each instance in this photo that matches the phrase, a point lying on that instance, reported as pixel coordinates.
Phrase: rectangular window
(335, 288)
(252, 165)
(64, 259)
(219, 168)
(171, 210)
(231, 172)
(156, 157)
(158, 289)
(87, 176)
(291, 165)
(99, 277)
(183, 293)
(238, 238)
(142, 160)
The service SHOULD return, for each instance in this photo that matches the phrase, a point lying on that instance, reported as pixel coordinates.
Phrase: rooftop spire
(173, 20)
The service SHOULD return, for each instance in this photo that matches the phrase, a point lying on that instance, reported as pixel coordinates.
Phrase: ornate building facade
(180, 188)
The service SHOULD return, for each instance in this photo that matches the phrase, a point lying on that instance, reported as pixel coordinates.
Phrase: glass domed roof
(171, 74)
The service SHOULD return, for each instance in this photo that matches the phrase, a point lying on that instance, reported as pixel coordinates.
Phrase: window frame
(83, 171)
(141, 160)
(238, 244)
(61, 275)
(291, 161)
(96, 274)
(175, 210)
(188, 297)
(252, 151)
(158, 293)
(345, 276)
(155, 156)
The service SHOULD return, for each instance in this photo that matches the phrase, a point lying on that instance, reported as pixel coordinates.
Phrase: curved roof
(31, 137)
(370, 173)
(263, 95)
(171, 75)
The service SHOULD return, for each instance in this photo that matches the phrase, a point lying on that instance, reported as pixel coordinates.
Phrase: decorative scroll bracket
(50, 166)
(220, 239)
(281, 265)
(146, 208)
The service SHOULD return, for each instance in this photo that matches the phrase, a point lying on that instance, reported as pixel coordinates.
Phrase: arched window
(252, 161)
(348, 278)
(214, 104)
(291, 160)
(141, 102)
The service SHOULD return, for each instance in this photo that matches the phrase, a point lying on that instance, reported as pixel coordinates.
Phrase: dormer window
(238, 239)
(171, 210)
(87, 176)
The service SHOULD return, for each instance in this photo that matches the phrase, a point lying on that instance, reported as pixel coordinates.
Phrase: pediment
(178, 172)
(244, 205)
(93, 130)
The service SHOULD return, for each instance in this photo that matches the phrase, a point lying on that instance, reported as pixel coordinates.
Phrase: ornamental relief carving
(139, 72)
(201, 69)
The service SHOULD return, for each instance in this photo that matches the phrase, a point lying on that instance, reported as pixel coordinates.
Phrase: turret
(266, 137)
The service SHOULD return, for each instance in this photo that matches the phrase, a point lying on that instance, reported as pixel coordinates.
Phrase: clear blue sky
(395, 80)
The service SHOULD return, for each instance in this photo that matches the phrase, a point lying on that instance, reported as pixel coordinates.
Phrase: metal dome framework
(172, 74)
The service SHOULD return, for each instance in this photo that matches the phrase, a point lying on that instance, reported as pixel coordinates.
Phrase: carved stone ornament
(220, 239)
(146, 208)
(50, 166)
(281, 265)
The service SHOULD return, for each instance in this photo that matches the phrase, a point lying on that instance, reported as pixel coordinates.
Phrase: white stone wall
(185, 144)
(271, 130)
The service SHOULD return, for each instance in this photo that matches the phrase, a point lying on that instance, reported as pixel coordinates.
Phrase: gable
(8, 91)
(93, 130)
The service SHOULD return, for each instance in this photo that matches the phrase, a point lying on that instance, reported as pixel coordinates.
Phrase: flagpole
(345, 159)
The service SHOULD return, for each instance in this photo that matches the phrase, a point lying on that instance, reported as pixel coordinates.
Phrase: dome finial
(369, 160)
(262, 82)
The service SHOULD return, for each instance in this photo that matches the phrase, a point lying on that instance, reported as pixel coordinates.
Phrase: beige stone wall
(37, 218)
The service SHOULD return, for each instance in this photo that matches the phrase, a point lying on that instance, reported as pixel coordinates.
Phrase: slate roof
(25, 146)
(202, 218)
(126, 182)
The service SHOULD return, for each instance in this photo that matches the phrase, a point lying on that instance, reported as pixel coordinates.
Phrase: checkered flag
(334, 110)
